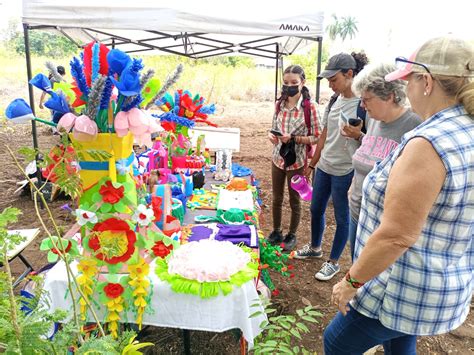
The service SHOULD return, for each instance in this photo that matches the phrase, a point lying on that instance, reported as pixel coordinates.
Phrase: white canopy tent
(194, 29)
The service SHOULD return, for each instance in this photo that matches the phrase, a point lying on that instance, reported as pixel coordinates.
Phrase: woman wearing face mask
(291, 134)
(333, 155)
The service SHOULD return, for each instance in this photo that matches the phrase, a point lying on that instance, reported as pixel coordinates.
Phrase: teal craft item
(177, 210)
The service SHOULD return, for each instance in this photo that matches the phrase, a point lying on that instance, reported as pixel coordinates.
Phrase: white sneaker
(327, 272)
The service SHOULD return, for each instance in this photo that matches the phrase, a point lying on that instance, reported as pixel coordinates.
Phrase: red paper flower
(161, 250)
(291, 267)
(110, 194)
(113, 235)
(275, 293)
(113, 290)
(69, 246)
(156, 206)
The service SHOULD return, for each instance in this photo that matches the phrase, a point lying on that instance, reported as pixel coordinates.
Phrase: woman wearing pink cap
(414, 254)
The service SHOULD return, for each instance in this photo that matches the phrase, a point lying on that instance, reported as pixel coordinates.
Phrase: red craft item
(113, 290)
(110, 194)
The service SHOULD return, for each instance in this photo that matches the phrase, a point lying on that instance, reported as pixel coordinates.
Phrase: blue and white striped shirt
(428, 289)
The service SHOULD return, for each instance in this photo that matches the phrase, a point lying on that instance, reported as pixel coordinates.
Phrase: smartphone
(354, 121)
(276, 133)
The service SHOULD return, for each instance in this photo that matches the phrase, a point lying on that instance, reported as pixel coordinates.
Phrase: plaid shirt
(291, 121)
(428, 289)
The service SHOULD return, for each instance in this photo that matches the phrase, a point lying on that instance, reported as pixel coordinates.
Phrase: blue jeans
(324, 186)
(352, 235)
(355, 334)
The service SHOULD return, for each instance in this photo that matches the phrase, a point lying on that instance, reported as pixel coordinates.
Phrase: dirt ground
(254, 120)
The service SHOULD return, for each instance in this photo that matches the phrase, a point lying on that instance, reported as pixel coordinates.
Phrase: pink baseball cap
(403, 68)
(448, 56)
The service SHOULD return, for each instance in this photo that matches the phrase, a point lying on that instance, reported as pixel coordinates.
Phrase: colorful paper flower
(110, 193)
(84, 217)
(161, 250)
(118, 61)
(88, 269)
(85, 129)
(67, 122)
(68, 246)
(112, 241)
(113, 290)
(129, 83)
(143, 215)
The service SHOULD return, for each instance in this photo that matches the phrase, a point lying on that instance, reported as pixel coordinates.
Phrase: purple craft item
(198, 233)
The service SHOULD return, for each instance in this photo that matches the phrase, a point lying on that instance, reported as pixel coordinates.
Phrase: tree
(42, 43)
(343, 27)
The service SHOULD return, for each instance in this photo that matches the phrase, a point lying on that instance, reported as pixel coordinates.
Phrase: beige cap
(442, 56)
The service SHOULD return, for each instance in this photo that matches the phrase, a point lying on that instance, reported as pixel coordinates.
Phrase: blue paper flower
(57, 103)
(118, 61)
(129, 83)
(42, 82)
(18, 111)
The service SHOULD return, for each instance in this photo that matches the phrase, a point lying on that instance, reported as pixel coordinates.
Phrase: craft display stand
(183, 311)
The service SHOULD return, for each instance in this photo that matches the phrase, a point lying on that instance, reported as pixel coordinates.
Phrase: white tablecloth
(177, 310)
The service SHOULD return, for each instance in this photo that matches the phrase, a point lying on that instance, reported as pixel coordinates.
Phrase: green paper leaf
(46, 244)
(226, 287)
(106, 207)
(120, 207)
(52, 257)
(96, 197)
(114, 268)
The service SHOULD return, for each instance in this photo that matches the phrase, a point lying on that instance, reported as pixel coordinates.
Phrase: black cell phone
(276, 133)
(354, 121)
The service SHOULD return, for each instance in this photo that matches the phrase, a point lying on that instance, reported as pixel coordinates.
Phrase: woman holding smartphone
(293, 131)
(333, 155)
(388, 120)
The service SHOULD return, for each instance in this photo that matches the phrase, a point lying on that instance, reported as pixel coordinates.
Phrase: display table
(176, 310)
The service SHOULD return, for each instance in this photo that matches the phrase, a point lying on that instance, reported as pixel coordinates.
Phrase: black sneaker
(289, 242)
(275, 238)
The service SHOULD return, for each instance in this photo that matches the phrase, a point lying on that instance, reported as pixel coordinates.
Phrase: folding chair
(29, 235)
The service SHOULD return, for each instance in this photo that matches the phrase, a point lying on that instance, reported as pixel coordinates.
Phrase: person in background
(292, 132)
(333, 157)
(55, 116)
(387, 121)
(414, 250)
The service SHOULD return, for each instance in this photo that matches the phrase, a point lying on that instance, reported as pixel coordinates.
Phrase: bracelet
(311, 167)
(353, 282)
(361, 137)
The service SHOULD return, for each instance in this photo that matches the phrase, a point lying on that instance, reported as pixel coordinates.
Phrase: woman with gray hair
(388, 120)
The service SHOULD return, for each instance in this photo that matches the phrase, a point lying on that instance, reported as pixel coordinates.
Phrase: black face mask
(290, 91)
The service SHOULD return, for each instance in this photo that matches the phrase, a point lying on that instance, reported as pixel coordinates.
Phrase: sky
(386, 28)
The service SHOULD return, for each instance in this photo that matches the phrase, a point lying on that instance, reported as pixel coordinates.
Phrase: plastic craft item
(223, 160)
(162, 205)
(177, 210)
(238, 184)
(203, 199)
(301, 185)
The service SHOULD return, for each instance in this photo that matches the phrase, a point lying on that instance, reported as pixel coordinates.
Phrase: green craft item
(66, 89)
(177, 210)
(150, 90)
(69, 246)
(207, 290)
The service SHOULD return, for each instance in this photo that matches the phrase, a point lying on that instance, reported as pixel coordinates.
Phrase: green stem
(49, 123)
(11, 296)
(60, 250)
(119, 104)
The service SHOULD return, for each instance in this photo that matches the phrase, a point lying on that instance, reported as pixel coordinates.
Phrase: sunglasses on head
(401, 63)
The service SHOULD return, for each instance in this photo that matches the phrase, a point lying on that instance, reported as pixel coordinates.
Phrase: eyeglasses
(402, 62)
(365, 100)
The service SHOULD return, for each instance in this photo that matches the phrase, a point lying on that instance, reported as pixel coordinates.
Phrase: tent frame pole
(30, 87)
(318, 67)
(277, 60)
